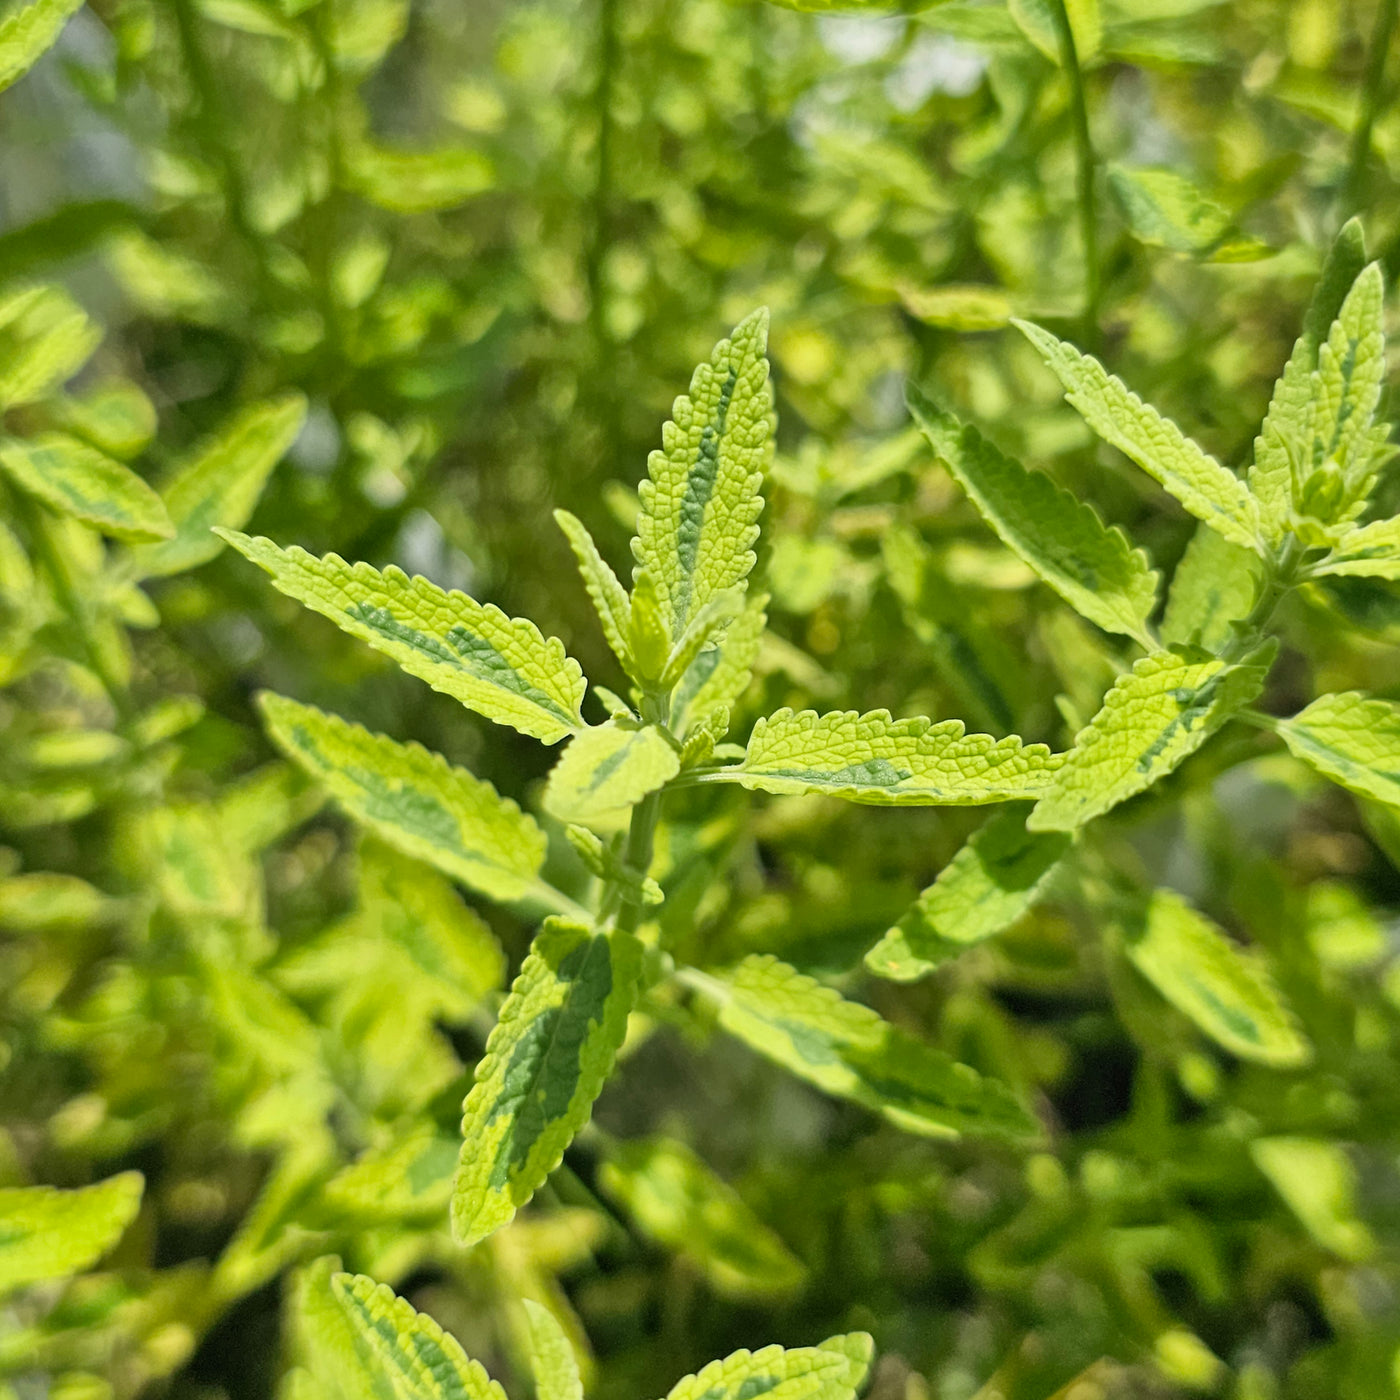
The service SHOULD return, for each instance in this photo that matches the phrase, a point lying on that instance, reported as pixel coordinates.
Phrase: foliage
(554, 995)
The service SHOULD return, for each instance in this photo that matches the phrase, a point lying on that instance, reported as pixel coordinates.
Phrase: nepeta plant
(687, 634)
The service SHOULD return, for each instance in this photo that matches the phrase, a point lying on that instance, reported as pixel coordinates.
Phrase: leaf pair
(376, 1346)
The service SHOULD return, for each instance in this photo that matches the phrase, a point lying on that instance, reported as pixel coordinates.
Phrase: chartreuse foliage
(374, 1343)
(46, 1233)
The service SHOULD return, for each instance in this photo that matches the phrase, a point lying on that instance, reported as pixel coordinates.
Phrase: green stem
(1086, 165)
(1371, 96)
(641, 837)
(1282, 575)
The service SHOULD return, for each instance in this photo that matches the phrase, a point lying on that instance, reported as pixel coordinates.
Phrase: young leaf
(413, 799)
(676, 1200)
(1346, 386)
(608, 596)
(1227, 993)
(719, 675)
(606, 771)
(45, 337)
(46, 1233)
(1210, 491)
(29, 31)
(1092, 567)
(406, 1179)
(1285, 434)
(1215, 584)
(888, 762)
(76, 480)
(701, 502)
(1352, 739)
(501, 667)
(405, 1351)
(1154, 718)
(221, 484)
(546, 1061)
(832, 1371)
(985, 888)
(116, 418)
(552, 1358)
(846, 1050)
(1369, 551)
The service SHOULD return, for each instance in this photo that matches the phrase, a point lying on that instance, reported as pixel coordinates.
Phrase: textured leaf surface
(1225, 991)
(78, 481)
(701, 502)
(847, 1050)
(27, 32)
(501, 667)
(1288, 422)
(46, 1233)
(546, 1061)
(606, 771)
(607, 594)
(1155, 717)
(1210, 491)
(409, 1353)
(677, 1201)
(1346, 387)
(993, 880)
(832, 1371)
(1214, 585)
(552, 1359)
(222, 483)
(413, 799)
(1352, 739)
(720, 674)
(873, 758)
(1092, 567)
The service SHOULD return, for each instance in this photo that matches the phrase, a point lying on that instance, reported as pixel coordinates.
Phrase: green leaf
(832, 1371)
(406, 1179)
(608, 596)
(1214, 585)
(501, 667)
(1153, 719)
(405, 1353)
(1352, 739)
(552, 1359)
(546, 1061)
(47, 1234)
(1165, 210)
(888, 762)
(1224, 991)
(417, 182)
(115, 418)
(1346, 386)
(1369, 551)
(677, 1201)
(221, 484)
(1285, 436)
(994, 879)
(45, 336)
(700, 505)
(606, 771)
(1038, 21)
(28, 32)
(720, 674)
(1092, 567)
(76, 480)
(413, 799)
(1210, 491)
(846, 1050)
(1318, 1184)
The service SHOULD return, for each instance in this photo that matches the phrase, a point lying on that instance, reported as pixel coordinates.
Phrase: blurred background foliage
(487, 242)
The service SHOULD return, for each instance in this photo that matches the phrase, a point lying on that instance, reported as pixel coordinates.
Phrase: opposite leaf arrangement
(687, 635)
